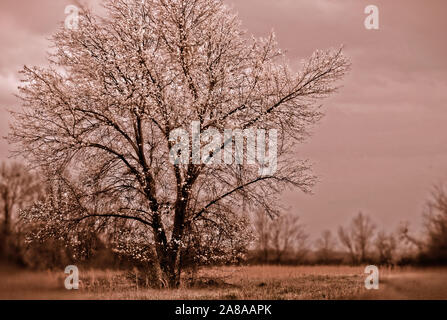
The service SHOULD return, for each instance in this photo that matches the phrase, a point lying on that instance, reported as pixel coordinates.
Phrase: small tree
(18, 188)
(288, 236)
(325, 246)
(436, 226)
(120, 87)
(357, 237)
(386, 246)
(432, 245)
(262, 229)
(280, 236)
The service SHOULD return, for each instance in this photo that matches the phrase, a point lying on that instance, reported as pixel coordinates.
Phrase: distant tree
(357, 237)
(436, 226)
(117, 89)
(325, 246)
(386, 246)
(18, 188)
(262, 229)
(288, 236)
(432, 243)
(279, 236)
(405, 235)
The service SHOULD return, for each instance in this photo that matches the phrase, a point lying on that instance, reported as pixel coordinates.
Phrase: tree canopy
(118, 86)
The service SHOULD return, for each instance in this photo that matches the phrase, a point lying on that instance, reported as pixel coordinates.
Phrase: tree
(279, 236)
(357, 237)
(436, 226)
(262, 229)
(118, 89)
(386, 248)
(432, 243)
(18, 188)
(325, 246)
(288, 236)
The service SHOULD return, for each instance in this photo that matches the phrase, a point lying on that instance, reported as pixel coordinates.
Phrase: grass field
(250, 282)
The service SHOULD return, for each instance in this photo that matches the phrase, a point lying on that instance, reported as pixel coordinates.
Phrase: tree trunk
(170, 270)
(173, 267)
(168, 252)
(168, 258)
(173, 279)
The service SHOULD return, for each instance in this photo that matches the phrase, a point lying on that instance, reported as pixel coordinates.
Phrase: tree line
(282, 239)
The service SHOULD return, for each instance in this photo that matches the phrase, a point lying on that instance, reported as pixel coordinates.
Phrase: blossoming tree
(116, 88)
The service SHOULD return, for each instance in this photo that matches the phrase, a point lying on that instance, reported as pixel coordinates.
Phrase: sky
(382, 144)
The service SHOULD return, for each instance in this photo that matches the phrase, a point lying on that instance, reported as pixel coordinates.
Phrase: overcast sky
(383, 141)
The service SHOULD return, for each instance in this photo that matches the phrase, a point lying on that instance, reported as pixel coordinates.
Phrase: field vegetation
(230, 283)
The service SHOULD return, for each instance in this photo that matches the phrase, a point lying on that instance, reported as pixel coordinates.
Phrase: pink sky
(383, 142)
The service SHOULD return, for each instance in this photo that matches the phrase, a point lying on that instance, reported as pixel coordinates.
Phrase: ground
(247, 282)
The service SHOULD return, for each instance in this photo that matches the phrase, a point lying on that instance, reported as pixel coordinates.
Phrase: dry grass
(414, 284)
(252, 282)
